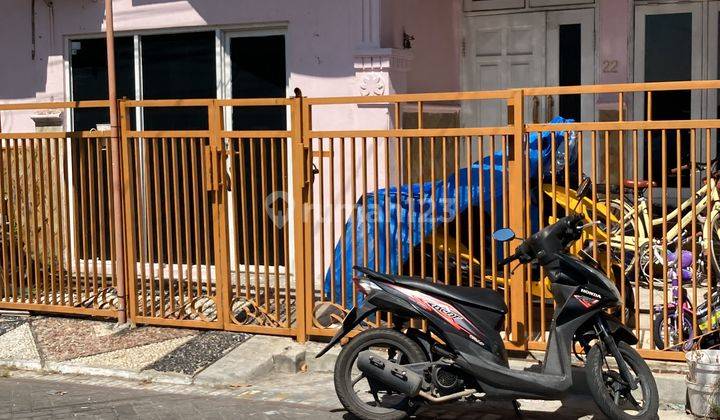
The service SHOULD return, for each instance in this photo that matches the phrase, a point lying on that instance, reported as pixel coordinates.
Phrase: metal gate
(363, 209)
(57, 249)
(207, 227)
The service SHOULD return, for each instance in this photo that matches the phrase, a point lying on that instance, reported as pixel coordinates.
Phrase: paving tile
(9, 323)
(62, 339)
(199, 352)
(134, 358)
(19, 345)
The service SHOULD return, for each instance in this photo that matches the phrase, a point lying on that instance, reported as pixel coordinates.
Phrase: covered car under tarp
(407, 222)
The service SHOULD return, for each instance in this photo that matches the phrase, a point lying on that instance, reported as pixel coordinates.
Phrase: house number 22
(610, 66)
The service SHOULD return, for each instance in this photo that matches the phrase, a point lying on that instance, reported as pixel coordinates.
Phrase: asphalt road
(27, 398)
(32, 398)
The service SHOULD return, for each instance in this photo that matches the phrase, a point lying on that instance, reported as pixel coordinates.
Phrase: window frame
(223, 35)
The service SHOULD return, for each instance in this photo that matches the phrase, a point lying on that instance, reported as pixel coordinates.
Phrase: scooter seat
(474, 296)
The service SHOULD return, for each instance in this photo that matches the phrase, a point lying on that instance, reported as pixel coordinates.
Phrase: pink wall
(435, 24)
(321, 38)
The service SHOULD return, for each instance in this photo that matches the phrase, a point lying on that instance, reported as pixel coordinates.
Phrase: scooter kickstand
(516, 406)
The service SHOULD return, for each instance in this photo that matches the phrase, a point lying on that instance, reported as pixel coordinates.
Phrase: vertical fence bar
(6, 220)
(92, 207)
(299, 113)
(34, 226)
(273, 183)
(148, 304)
(663, 200)
(46, 222)
(57, 184)
(516, 217)
(693, 212)
(134, 239)
(636, 260)
(708, 213)
(11, 215)
(187, 180)
(128, 264)
(299, 304)
(219, 200)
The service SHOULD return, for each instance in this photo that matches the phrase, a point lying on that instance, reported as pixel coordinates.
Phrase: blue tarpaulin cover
(429, 195)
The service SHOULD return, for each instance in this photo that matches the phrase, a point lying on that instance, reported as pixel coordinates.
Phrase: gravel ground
(62, 339)
(199, 352)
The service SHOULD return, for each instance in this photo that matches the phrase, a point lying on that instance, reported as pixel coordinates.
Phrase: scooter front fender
(618, 331)
(352, 320)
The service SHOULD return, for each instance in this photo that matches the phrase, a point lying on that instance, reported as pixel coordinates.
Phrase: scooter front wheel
(614, 397)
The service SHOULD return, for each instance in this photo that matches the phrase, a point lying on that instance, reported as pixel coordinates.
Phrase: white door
(529, 50)
(502, 51)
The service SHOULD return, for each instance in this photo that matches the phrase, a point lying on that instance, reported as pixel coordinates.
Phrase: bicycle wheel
(627, 225)
(715, 245)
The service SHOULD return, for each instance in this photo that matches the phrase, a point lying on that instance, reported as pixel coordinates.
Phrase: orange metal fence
(364, 208)
(257, 230)
(56, 243)
(205, 248)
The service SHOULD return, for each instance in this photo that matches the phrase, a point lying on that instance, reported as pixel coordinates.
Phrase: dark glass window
(668, 57)
(88, 63)
(258, 71)
(178, 66)
(570, 66)
(91, 160)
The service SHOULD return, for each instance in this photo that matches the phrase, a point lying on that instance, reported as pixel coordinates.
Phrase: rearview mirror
(583, 187)
(504, 235)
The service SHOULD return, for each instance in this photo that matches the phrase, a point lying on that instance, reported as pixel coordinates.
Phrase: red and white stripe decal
(443, 309)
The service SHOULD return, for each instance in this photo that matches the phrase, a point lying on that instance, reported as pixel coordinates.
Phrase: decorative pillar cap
(48, 118)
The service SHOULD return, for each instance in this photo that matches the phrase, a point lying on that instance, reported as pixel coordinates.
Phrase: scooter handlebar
(508, 260)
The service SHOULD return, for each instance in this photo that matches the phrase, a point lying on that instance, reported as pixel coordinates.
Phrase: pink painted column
(614, 57)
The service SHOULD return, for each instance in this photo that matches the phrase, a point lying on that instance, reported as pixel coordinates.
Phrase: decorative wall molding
(382, 59)
(48, 120)
(381, 71)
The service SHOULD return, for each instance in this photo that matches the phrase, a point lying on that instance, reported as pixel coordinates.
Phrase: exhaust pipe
(396, 377)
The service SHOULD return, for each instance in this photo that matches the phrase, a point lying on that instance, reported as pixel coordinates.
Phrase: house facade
(208, 185)
(53, 51)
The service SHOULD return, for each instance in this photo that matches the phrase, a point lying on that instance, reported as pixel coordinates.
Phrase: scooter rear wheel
(615, 399)
(351, 385)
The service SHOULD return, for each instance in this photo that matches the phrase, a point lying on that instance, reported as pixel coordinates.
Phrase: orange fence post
(516, 217)
(300, 193)
(128, 264)
(219, 211)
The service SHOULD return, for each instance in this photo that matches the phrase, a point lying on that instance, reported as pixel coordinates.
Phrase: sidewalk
(220, 363)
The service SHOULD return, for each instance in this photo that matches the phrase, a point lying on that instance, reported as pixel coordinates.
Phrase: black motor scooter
(386, 373)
